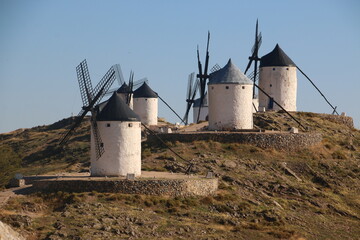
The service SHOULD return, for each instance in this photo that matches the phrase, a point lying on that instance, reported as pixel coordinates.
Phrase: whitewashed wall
(122, 144)
(281, 84)
(230, 108)
(147, 109)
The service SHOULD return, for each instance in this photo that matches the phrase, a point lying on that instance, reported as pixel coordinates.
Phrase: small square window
(145, 99)
(270, 85)
(130, 125)
(243, 87)
(227, 87)
(273, 69)
(108, 125)
(287, 68)
(212, 87)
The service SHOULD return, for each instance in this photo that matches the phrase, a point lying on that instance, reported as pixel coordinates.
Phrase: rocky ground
(263, 194)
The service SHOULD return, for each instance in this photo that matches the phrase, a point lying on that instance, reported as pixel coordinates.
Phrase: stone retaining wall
(281, 141)
(169, 187)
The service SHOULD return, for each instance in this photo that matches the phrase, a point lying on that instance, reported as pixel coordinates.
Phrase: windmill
(90, 98)
(254, 56)
(190, 95)
(119, 77)
(125, 88)
(203, 75)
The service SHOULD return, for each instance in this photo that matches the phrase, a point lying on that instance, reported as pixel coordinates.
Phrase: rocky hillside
(264, 193)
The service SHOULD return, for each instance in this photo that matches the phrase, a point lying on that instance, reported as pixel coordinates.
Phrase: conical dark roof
(116, 110)
(101, 106)
(145, 92)
(229, 74)
(276, 57)
(123, 89)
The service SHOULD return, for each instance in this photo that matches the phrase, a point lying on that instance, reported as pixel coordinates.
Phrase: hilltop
(311, 193)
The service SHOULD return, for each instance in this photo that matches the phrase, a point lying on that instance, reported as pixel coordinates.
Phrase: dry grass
(257, 197)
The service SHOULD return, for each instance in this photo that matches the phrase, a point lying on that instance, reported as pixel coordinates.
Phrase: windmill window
(108, 125)
(145, 99)
(287, 68)
(273, 69)
(270, 85)
(227, 87)
(243, 87)
(130, 125)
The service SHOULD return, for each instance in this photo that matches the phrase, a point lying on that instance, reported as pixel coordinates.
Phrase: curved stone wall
(282, 141)
(169, 187)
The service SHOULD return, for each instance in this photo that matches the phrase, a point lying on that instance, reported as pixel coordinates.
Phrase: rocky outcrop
(346, 120)
(7, 233)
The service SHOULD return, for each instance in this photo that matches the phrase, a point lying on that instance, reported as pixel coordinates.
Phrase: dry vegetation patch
(263, 193)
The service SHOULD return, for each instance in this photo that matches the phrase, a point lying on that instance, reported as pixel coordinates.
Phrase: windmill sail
(190, 95)
(254, 56)
(91, 97)
(203, 76)
(99, 146)
(118, 73)
(130, 86)
(136, 84)
(85, 85)
(215, 68)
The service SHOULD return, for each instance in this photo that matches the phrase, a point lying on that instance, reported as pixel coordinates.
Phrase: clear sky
(42, 41)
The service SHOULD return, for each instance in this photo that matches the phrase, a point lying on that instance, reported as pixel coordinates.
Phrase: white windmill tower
(146, 104)
(277, 78)
(115, 128)
(230, 99)
(120, 129)
(126, 89)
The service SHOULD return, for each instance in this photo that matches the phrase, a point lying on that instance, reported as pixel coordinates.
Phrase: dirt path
(13, 192)
(193, 127)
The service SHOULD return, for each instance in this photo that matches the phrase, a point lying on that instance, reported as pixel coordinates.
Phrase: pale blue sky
(42, 41)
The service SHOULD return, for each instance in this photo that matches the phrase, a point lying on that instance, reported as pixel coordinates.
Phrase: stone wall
(169, 187)
(346, 120)
(281, 141)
